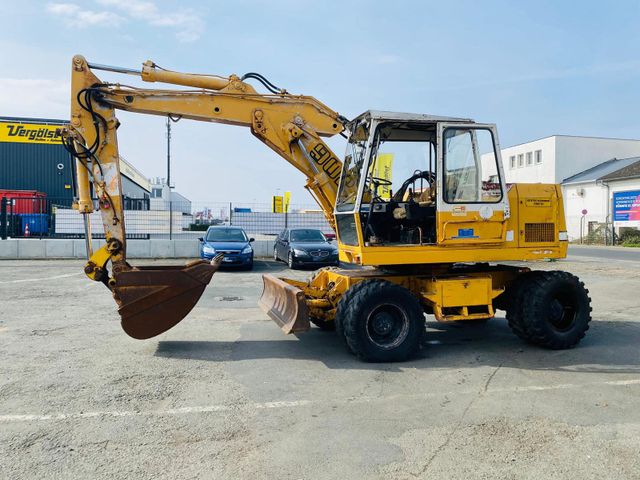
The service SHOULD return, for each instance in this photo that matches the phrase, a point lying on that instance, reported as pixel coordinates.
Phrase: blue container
(38, 223)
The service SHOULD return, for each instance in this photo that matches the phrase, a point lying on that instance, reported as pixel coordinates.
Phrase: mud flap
(154, 299)
(285, 305)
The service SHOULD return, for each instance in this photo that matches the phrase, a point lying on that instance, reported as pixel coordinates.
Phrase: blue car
(232, 242)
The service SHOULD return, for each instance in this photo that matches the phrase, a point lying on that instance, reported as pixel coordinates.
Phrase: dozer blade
(284, 304)
(154, 299)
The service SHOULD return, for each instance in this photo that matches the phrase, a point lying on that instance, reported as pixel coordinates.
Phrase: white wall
(585, 196)
(542, 173)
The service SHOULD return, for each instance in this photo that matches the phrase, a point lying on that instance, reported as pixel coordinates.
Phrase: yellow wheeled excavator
(420, 207)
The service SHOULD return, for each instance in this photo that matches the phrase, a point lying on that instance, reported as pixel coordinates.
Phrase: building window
(538, 157)
(529, 159)
(512, 161)
(520, 160)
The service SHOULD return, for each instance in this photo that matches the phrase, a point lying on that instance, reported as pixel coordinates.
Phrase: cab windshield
(226, 235)
(352, 169)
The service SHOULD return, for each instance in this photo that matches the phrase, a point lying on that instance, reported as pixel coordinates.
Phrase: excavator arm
(153, 299)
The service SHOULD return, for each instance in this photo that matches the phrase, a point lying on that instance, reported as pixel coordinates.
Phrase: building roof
(51, 121)
(631, 170)
(601, 171)
(615, 139)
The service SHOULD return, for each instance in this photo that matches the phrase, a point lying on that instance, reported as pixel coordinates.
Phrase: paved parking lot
(225, 395)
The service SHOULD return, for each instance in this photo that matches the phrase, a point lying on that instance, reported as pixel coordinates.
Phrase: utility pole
(169, 176)
(168, 151)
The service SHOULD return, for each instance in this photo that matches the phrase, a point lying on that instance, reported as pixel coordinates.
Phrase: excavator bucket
(284, 304)
(154, 299)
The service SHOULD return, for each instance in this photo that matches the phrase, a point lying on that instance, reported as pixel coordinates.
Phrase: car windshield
(226, 235)
(307, 236)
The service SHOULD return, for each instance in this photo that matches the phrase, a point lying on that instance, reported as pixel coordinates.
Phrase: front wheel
(290, 261)
(380, 321)
(550, 309)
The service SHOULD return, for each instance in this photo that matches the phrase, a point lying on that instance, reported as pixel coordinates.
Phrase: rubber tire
(528, 310)
(362, 298)
(291, 263)
(323, 324)
(275, 255)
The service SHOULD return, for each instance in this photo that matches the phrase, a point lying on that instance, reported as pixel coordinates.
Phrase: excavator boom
(151, 300)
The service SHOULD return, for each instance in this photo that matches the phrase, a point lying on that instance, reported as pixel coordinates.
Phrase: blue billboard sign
(626, 206)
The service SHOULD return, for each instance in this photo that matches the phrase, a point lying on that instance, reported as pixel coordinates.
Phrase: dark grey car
(305, 246)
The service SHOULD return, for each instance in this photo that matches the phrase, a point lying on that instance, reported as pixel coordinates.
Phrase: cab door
(472, 200)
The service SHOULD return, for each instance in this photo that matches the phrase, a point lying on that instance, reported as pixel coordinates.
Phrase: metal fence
(591, 230)
(42, 217)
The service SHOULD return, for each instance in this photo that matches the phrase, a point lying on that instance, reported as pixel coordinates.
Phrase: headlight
(299, 252)
(208, 249)
(247, 249)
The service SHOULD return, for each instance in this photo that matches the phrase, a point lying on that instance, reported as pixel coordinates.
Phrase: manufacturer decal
(466, 233)
(325, 160)
(459, 211)
(538, 202)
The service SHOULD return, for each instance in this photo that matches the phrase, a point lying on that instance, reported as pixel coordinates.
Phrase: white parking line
(296, 403)
(44, 279)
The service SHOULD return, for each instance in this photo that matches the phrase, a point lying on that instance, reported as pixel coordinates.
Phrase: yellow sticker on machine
(29, 133)
(538, 202)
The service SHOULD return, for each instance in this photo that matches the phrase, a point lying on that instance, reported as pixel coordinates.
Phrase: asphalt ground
(225, 395)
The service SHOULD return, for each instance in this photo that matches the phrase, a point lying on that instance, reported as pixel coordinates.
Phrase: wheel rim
(387, 326)
(563, 312)
(275, 254)
(290, 260)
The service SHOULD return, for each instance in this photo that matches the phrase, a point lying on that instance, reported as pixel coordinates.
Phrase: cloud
(75, 16)
(187, 24)
(34, 97)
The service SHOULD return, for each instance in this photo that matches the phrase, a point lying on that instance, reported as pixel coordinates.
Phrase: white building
(592, 197)
(552, 159)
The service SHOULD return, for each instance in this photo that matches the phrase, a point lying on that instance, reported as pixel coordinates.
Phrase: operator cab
(402, 170)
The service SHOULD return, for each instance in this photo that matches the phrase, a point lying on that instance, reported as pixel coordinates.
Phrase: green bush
(630, 238)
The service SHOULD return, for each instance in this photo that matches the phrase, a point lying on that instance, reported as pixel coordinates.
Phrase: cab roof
(406, 117)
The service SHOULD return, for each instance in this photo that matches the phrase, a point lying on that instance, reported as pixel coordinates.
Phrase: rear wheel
(380, 321)
(550, 309)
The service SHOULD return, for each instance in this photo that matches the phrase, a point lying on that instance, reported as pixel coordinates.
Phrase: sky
(533, 68)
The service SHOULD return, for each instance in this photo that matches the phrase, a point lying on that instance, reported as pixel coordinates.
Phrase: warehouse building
(37, 175)
(33, 159)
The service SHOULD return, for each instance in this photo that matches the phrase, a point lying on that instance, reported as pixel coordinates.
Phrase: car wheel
(290, 261)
